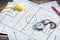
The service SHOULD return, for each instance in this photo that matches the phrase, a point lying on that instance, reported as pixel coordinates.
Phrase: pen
(54, 9)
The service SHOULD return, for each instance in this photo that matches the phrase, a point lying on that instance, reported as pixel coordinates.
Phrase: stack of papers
(18, 25)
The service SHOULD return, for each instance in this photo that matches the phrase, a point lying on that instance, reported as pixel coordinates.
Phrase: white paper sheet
(18, 25)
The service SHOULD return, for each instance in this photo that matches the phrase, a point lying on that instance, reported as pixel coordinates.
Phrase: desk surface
(44, 1)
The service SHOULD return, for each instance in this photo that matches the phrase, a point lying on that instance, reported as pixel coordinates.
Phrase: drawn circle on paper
(32, 18)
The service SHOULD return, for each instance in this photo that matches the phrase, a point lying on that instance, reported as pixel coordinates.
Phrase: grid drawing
(31, 36)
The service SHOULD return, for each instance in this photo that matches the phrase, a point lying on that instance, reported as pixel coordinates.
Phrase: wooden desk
(44, 1)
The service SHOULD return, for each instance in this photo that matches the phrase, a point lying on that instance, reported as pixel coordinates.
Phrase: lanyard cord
(17, 8)
(52, 24)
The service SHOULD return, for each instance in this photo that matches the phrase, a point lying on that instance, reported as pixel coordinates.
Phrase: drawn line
(21, 18)
(13, 16)
(15, 35)
(17, 30)
(55, 37)
(30, 19)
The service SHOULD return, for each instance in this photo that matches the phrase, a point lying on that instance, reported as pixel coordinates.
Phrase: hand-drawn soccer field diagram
(18, 25)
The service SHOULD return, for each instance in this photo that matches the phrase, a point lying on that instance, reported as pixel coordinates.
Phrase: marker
(54, 9)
